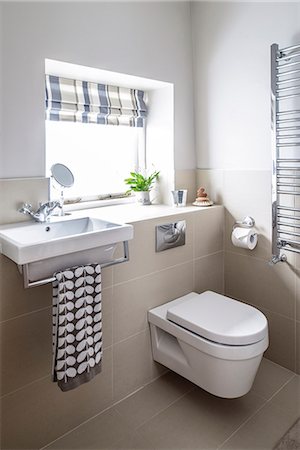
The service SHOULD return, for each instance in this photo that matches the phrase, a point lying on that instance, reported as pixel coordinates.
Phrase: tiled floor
(172, 413)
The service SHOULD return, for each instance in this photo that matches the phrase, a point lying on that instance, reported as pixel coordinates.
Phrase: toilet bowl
(212, 340)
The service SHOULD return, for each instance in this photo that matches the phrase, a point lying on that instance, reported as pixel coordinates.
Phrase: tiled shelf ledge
(136, 213)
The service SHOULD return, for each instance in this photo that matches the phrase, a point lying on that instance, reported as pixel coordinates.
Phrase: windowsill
(131, 213)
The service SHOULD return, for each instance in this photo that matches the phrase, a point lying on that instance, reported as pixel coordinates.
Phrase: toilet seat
(219, 319)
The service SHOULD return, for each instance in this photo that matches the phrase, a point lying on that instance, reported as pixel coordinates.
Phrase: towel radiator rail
(24, 269)
(285, 125)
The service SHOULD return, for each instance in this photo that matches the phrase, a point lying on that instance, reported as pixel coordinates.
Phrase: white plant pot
(143, 197)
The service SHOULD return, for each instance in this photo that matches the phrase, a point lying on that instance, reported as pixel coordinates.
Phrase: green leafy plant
(137, 182)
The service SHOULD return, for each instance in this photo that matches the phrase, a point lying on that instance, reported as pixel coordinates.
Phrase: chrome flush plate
(170, 235)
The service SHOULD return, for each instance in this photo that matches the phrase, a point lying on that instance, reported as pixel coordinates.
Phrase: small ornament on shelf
(202, 199)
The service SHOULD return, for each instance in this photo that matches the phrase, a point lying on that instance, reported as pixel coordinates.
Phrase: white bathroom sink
(29, 242)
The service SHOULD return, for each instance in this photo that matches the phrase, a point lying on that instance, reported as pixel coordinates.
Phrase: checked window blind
(89, 102)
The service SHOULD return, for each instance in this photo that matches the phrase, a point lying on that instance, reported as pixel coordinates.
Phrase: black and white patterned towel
(77, 325)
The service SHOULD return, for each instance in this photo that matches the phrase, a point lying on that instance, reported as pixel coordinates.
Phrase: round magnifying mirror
(62, 175)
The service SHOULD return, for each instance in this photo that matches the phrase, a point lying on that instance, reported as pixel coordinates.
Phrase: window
(83, 132)
(100, 156)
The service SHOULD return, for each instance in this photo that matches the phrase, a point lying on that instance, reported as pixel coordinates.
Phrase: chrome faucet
(43, 213)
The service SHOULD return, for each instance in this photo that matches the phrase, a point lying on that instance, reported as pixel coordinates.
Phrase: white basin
(64, 242)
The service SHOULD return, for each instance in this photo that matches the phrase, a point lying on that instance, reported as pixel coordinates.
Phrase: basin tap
(43, 213)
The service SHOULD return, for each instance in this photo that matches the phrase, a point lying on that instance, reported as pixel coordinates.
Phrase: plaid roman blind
(89, 102)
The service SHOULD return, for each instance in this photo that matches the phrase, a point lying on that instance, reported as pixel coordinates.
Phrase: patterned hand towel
(77, 325)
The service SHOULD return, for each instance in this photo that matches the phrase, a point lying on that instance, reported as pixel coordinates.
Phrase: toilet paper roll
(244, 238)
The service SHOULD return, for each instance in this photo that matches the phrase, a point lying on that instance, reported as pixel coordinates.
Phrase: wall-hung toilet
(212, 340)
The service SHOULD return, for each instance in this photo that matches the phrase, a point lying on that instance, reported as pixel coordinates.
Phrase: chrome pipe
(282, 56)
(288, 208)
(285, 97)
(293, 177)
(291, 225)
(288, 64)
(289, 49)
(291, 119)
(288, 128)
(289, 80)
(289, 136)
(291, 144)
(288, 192)
(294, 250)
(288, 160)
(288, 72)
(291, 111)
(296, 169)
(289, 233)
(286, 216)
(288, 88)
(288, 184)
(289, 241)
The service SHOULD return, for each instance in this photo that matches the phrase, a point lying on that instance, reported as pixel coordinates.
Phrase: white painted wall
(151, 40)
(231, 61)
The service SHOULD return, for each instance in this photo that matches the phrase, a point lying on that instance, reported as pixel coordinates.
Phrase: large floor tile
(288, 398)
(262, 431)
(199, 421)
(101, 432)
(133, 442)
(153, 398)
(270, 378)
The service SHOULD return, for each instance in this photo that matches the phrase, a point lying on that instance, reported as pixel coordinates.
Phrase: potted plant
(141, 185)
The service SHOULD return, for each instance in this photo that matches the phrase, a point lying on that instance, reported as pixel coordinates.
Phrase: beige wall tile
(263, 227)
(16, 300)
(282, 340)
(132, 364)
(15, 192)
(209, 273)
(298, 348)
(209, 231)
(26, 349)
(213, 182)
(254, 281)
(186, 179)
(132, 300)
(107, 315)
(41, 412)
(297, 274)
(143, 257)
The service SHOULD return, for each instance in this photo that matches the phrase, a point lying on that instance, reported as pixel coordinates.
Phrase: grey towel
(77, 325)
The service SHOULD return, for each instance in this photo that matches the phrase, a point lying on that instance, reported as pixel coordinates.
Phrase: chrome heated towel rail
(285, 109)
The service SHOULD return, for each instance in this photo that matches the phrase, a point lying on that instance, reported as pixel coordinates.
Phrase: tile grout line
(256, 412)
(164, 409)
(25, 314)
(188, 261)
(112, 406)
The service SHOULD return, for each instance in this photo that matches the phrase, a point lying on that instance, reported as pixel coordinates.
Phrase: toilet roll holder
(247, 222)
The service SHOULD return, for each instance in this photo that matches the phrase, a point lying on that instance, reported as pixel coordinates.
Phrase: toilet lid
(219, 318)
